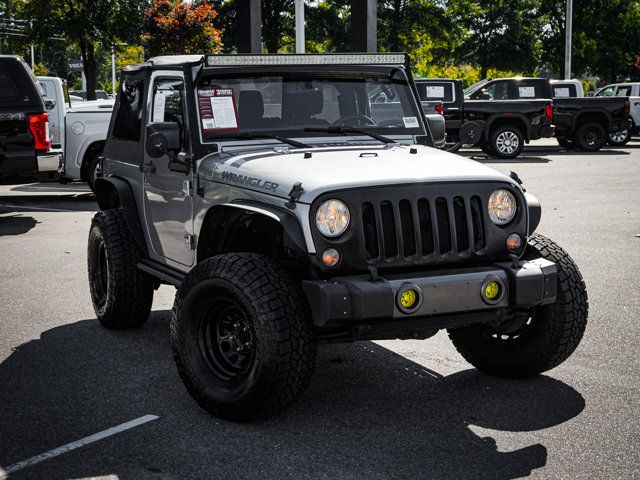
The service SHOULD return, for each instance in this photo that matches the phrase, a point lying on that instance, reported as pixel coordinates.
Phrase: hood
(322, 170)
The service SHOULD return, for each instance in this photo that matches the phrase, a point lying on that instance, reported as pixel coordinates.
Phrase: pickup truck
(24, 121)
(505, 125)
(631, 90)
(79, 129)
(583, 123)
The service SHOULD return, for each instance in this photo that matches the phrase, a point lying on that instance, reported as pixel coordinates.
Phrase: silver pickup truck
(79, 129)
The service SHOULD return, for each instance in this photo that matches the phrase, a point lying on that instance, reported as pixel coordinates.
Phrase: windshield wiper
(346, 129)
(275, 136)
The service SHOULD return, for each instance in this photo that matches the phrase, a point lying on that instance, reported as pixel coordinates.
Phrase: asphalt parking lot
(392, 409)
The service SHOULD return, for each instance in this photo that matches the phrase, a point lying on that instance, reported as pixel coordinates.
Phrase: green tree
(86, 24)
(606, 37)
(178, 27)
(501, 34)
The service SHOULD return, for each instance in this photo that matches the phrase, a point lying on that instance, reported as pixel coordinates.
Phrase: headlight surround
(332, 218)
(502, 206)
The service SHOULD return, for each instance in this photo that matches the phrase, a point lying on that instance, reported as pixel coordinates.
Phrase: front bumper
(360, 299)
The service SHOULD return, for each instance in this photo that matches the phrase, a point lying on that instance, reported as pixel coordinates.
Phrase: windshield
(475, 87)
(287, 104)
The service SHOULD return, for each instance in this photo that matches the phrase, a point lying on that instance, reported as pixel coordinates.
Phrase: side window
(168, 102)
(128, 121)
(565, 90)
(606, 92)
(529, 90)
(437, 91)
(623, 91)
(495, 91)
(8, 90)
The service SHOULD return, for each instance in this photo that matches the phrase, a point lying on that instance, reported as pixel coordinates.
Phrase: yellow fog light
(492, 290)
(408, 298)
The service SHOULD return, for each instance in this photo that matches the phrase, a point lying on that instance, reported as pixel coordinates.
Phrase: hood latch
(294, 195)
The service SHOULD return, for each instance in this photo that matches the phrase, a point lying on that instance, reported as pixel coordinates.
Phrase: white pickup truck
(79, 129)
(631, 90)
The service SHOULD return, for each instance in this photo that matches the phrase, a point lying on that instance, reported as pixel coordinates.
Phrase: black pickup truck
(583, 123)
(24, 122)
(506, 125)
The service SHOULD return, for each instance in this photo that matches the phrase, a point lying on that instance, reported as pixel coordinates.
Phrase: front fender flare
(115, 192)
(534, 210)
(289, 222)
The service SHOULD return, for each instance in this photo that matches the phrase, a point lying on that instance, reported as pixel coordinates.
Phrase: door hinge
(187, 188)
(190, 241)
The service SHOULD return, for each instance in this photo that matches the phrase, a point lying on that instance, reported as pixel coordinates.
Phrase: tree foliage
(178, 27)
(86, 23)
(500, 34)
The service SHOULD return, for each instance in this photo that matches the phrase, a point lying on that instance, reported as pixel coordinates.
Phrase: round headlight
(502, 207)
(332, 218)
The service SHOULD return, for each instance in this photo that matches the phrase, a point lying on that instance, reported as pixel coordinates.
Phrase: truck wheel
(507, 141)
(121, 294)
(567, 143)
(619, 138)
(94, 170)
(241, 335)
(533, 341)
(591, 137)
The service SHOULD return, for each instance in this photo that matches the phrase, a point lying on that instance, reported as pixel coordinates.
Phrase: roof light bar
(307, 59)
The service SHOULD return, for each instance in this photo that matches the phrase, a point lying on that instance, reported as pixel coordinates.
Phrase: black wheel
(486, 148)
(94, 170)
(535, 340)
(507, 141)
(620, 138)
(567, 143)
(591, 136)
(121, 294)
(241, 335)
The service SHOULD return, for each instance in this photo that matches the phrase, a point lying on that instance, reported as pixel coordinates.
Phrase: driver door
(168, 201)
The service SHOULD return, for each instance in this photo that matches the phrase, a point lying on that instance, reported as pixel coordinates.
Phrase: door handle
(147, 167)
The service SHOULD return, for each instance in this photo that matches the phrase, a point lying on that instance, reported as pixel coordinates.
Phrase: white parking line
(77, 444)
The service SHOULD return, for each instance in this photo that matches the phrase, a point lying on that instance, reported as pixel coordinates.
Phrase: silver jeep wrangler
(295, 200)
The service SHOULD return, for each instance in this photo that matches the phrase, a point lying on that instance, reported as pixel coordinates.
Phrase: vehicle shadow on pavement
(86, 203)
(369, 413)
(16, 224)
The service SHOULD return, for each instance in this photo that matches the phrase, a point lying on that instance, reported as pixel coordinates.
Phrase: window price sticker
(217, 109)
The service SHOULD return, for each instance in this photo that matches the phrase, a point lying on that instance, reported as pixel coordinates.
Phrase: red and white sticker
(217, 109)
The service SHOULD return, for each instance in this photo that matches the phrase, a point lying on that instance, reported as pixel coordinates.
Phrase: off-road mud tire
(121, 294)
(277, 318)
(552, 336)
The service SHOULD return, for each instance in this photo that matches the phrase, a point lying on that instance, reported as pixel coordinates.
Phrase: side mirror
(436, 125)
(156, 145)
(49, 104)
(163, 139)
(470, 133)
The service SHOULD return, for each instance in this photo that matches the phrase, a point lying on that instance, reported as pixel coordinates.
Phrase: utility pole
(567, 40)
(33, 60)
(113, 70)
(299, 26)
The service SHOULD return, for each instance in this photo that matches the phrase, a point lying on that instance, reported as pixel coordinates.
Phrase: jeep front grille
(422, 228)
